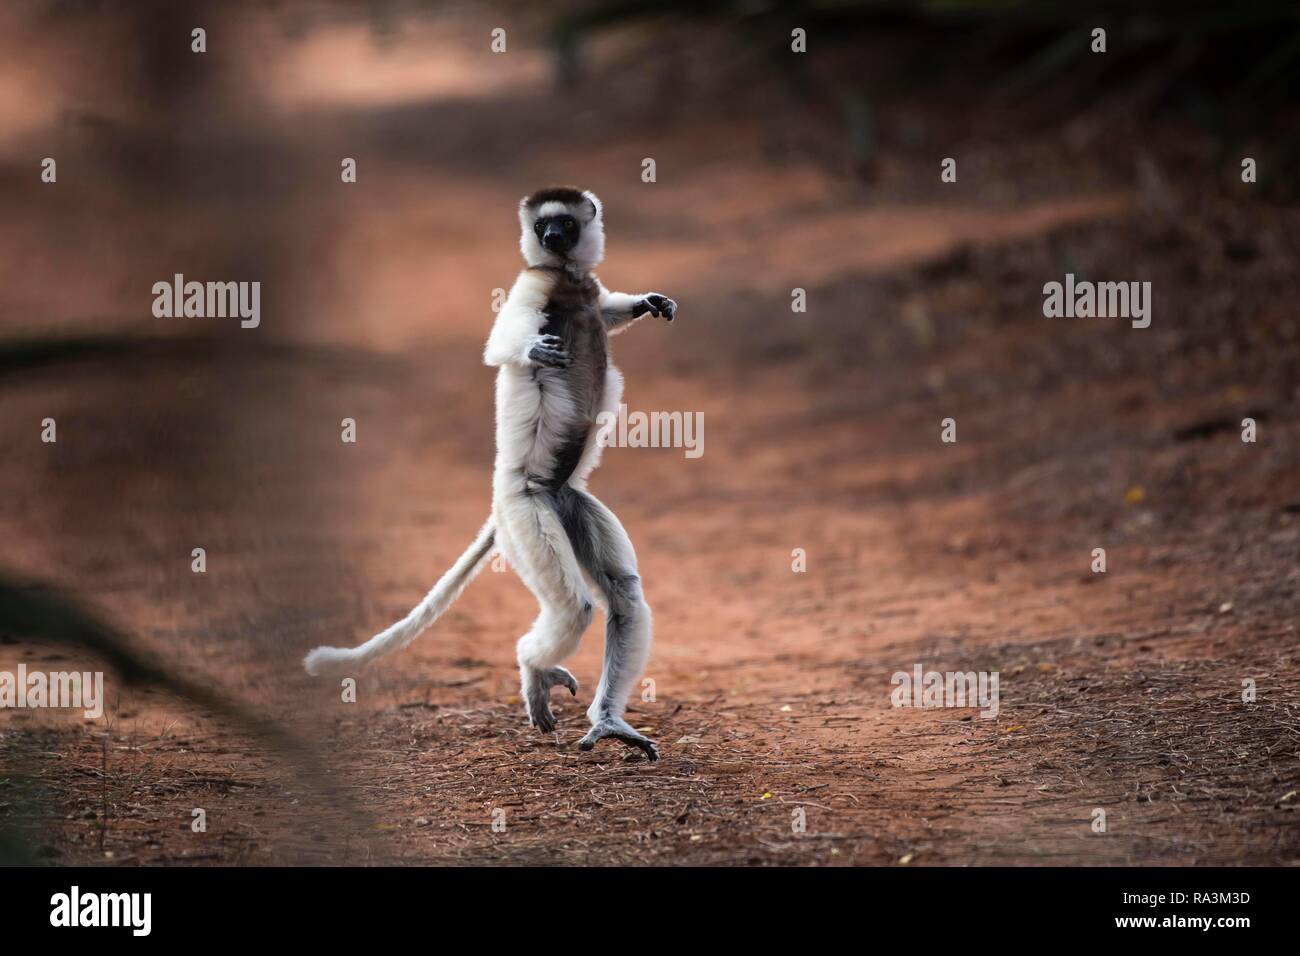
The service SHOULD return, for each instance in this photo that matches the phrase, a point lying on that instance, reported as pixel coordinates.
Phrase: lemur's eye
(538, 227)
(570, 224)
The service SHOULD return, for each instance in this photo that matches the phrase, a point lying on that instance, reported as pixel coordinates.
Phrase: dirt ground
(1120, 691)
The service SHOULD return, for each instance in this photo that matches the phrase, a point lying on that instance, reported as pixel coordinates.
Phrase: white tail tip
(327, 660)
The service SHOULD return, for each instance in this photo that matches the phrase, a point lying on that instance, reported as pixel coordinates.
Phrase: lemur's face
(562, 229)
(558, 233)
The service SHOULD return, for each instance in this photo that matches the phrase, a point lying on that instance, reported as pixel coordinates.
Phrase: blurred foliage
(46, 615)
(1228, 66)
(25, 355)
(50, 617)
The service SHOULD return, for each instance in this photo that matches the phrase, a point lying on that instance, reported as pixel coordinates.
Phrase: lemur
(550, 345)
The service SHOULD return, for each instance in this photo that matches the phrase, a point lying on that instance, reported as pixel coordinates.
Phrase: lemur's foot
(619, 729)
(549, 350)
(661, 305)
(537, 694)
(560, 677)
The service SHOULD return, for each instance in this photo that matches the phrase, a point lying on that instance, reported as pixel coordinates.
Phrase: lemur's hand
(660, 305)
(548, 351)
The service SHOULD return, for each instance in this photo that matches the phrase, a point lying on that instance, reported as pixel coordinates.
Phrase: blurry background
(775, 171)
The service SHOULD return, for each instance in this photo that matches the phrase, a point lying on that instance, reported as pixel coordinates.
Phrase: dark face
(558, 234)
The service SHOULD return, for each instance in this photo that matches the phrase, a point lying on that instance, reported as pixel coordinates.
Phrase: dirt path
(1120, 692)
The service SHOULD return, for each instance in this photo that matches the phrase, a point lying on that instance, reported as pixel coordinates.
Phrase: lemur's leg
(603, 549)
(535, 544)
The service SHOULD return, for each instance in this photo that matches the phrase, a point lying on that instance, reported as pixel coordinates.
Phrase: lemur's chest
(573, 313)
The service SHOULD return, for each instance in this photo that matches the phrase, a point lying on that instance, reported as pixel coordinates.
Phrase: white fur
(519, 321)
(617, 307)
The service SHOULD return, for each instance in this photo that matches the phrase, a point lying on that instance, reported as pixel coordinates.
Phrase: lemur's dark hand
(549, 350)
(660, 305)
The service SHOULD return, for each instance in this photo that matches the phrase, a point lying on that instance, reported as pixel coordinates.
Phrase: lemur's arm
(516, 338)
(619, 309)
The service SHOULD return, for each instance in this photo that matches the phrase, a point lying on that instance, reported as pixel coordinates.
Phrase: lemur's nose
(554, 239)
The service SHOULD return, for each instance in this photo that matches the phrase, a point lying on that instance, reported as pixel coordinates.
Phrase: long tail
(325, 660)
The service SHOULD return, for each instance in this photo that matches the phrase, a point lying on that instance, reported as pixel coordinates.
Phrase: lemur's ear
(597, 209)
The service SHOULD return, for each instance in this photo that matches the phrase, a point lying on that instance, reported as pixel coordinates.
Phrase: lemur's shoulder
(532, 290)
(537, 280)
